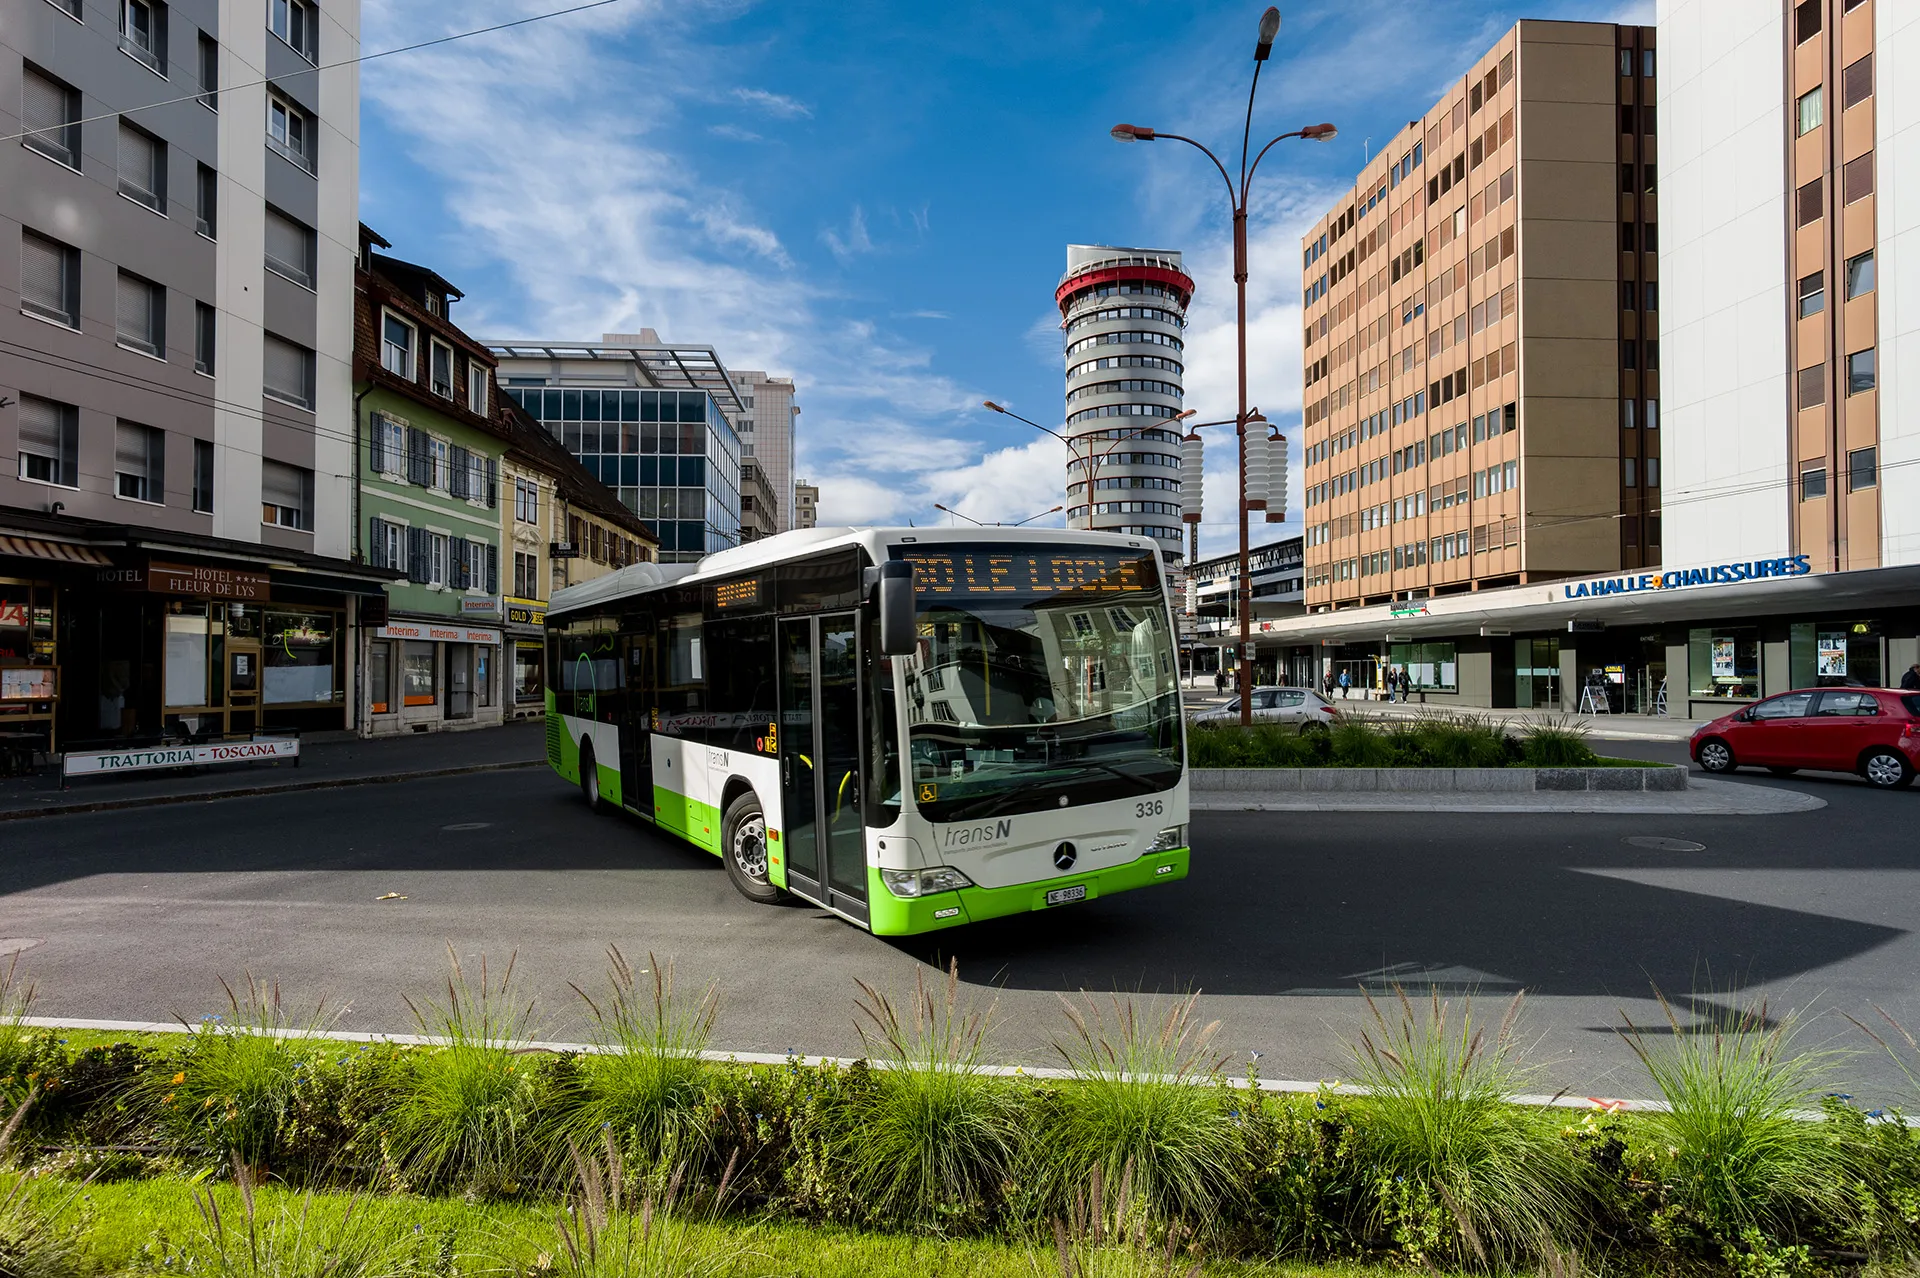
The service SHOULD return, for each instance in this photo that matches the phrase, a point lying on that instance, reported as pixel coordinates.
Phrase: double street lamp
(1237, 199)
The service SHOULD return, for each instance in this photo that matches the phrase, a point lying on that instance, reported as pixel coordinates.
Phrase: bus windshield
(1045, 677)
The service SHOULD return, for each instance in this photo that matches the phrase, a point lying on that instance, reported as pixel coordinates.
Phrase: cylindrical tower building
(1124, 315)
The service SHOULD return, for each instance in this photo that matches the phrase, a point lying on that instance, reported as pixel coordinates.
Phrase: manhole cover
(19, 944)
(466, 825)
(1660, 843)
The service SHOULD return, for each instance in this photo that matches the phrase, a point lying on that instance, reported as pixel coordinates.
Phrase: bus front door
(820, 761)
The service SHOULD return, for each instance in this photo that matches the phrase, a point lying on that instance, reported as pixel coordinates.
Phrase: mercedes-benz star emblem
(1064, 856)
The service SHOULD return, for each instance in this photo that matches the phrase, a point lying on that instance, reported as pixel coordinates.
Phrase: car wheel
(1783, 772)
(1312, 727)
(744, 849)
(590, 777)
(1886, 770)
(1716, 756)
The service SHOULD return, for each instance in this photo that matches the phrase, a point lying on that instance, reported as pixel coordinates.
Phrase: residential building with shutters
(559, 526)
(177, 235)
(806, 505)
(430, 442)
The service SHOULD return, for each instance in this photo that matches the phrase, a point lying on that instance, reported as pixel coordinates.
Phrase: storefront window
(421, 687)
(483, 675)
(1430, 666)
(299, 657)
(29, 681)
(528, 677)
(1724, 662)
(1834, 654)
(380, 676)
(186, 656)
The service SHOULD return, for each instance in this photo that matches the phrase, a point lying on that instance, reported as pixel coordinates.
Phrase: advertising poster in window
(299, 657)
(31, 683)
(1830, 655)
(1723, 659)
(417, 682)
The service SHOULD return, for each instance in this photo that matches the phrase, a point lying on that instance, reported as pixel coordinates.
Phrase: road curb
(1704, 797)
(255, 791)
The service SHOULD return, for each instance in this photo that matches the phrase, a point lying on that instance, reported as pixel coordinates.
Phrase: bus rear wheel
(743, 846)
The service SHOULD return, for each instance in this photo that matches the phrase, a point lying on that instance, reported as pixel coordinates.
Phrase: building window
(389, 448)
(396, 346)
(50, 117)
(1862, 470)
(286, 495)
(474, 568)
(1808, 110)
(143, 32)
(1646, 63)
(1860, 274)
(1856, 178)
(440, 464)
(1813, 386)
(290, 248)
(203, 333)
(288, 371)
(477, 395)
(442, 368)
(1813, 294)
(437, 559)
(1813, 482)
(1653, 295)
(203, 476)
(142, 316)
(50, 279)
(49, 442)
(289, 131)
(526, 500)
(1653, 472)
(139, 466)
(1808, 201)
(1856, 82)
(1860, 371)
(1653, 414)
(293, 21)
(1627, 476)
(206, 202)
(1806, 20)
(209, 72)
(143, 167)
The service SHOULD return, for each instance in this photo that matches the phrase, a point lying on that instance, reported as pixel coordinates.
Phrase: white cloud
(775, 104)
(854, 242)
(734, 132)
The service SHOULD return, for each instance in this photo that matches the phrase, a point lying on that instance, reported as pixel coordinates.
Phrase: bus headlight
(1174, 836)
(912, 883)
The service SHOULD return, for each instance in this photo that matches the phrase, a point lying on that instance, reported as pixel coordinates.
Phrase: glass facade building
(671, 455)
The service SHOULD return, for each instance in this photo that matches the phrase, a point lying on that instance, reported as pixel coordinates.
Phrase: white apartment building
(767, 432)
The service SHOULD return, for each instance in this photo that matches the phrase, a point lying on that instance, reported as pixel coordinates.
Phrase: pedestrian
(1219, 683)
(1910, 681)
(1406, 685)
(1393, 683)
(1346, 685)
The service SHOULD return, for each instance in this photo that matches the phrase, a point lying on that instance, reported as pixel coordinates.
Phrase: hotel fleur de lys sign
(195, 580)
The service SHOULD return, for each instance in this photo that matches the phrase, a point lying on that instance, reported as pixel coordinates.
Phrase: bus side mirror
(898, 637)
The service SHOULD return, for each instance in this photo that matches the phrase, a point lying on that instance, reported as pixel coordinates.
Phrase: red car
(1869, 731)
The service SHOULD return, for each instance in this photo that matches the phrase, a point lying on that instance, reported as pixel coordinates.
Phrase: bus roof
(640, 578)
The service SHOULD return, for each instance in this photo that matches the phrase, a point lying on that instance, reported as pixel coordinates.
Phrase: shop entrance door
(820, 782)
(459, 681)
(1537, 673)
(243, 685)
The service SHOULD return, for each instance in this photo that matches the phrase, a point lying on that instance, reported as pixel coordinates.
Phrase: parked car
(1304, 708)
(1869, 731)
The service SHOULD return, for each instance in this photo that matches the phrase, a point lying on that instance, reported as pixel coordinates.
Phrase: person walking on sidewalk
(1910, 681)
(1219, 683)
(1346, 685)
(1406, 685)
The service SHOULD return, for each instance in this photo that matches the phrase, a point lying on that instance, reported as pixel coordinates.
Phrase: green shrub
(1744, 1159)
(1137, 1102)
(931, 1141)
(288, 1239)
(1264, 745)
(1445, 741)
(647, 1083)
(1458, 1173)
(16, 999)
(466, 1115)
(1358, 744)
(1095, 1240)
(1556, 743)
(233, 1087)
(41, 1235)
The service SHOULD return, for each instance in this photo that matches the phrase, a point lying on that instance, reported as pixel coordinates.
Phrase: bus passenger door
(636, 724)
(820, 761)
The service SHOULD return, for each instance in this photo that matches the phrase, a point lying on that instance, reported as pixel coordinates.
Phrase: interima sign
(80, 763)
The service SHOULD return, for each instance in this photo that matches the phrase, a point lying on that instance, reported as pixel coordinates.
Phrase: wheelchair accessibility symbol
(928, 792)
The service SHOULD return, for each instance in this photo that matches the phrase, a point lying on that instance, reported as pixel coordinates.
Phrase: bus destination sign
(732, 596)
(982, 572)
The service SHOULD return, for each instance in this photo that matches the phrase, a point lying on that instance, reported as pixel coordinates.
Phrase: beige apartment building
(806, 505)
(1481, 346)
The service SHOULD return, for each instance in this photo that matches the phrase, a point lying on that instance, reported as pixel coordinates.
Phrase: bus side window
(683, 686)
(740, 683)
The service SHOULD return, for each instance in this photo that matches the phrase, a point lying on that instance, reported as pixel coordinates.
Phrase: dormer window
(396, 347)
(436, 305)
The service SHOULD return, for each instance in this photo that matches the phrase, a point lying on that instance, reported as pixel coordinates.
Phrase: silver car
(1302, 707)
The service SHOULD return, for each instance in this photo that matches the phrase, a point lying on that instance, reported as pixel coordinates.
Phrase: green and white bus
(912, 728)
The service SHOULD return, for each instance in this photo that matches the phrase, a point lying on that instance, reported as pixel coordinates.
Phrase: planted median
(1423, 741)
(250, 1145)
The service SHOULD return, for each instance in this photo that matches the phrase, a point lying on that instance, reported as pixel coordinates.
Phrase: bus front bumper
(894, 916)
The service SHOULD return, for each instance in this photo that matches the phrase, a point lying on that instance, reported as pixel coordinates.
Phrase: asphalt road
(135, 915)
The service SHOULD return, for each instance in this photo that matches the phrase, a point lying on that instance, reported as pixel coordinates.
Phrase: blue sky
(875, 197)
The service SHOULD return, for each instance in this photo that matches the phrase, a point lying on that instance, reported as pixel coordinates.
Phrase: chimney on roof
(645, 337)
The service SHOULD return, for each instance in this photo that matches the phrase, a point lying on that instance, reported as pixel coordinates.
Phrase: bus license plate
(1060, 896)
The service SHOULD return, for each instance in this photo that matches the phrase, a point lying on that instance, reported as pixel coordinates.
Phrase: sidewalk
(326, 763)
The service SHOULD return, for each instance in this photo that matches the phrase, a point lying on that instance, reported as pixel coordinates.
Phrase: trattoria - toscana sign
(1681, 578)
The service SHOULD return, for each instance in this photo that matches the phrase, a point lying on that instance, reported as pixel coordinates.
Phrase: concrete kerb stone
(1438, 780)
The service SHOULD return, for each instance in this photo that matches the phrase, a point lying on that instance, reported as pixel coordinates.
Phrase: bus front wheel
(590, 777)
(744, 849)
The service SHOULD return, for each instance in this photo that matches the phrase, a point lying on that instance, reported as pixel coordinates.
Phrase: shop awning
(59, 551)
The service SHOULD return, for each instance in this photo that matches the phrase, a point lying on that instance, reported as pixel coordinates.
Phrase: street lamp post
(1091, 462)
(1237, 198)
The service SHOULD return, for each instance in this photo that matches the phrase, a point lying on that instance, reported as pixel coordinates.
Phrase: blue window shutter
(377, 542)
(377, 444)
(417, 570)
(493, 484)
(493, 570)
(419, 461)
(457, 481)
